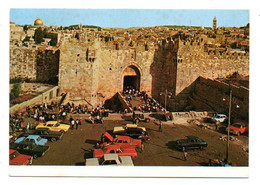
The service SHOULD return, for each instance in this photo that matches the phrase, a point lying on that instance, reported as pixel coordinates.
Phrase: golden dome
(38, 22)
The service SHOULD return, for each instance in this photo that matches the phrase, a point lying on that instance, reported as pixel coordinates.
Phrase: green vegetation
(20, 80)
(40, 34)
(16, 90)
(15, 80)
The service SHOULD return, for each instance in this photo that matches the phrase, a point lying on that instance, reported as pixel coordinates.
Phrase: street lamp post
(229, 117)
(166, 93)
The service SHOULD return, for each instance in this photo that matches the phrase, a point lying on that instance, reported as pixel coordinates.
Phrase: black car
(136, 133)
(29, 148)
(44, 133)
(191, 142)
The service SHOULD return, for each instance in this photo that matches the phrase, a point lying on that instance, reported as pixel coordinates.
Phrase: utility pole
(166, 93)
(229, 117)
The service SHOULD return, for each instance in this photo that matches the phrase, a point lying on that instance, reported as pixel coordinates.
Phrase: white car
(220, 118)
(111, 160)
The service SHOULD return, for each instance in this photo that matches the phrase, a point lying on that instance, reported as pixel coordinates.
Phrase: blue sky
(126, 18)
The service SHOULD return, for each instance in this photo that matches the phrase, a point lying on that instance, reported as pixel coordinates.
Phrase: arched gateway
(131, 77)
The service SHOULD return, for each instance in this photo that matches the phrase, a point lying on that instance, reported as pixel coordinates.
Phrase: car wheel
(62, 131)
(53, 139)
(147, 120)
(35, 156)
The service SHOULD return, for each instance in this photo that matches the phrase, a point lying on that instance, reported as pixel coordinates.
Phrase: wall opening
(131, 78)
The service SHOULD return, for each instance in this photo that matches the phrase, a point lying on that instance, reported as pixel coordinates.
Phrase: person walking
(72, 123)
(77, 123)
(160, 126)
(185, 154)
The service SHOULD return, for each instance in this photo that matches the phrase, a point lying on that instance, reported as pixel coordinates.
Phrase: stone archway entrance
(131, 78)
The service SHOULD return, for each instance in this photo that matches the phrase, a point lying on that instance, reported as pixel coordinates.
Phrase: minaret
(214, 24)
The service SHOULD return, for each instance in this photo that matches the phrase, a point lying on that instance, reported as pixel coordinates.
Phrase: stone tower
(214, 24)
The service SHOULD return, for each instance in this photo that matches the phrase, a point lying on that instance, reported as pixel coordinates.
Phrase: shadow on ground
(171, 145)
(91, 141)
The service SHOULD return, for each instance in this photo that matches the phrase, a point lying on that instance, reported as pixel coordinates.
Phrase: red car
(123, 141)
(238, 128)
(15, 158)
(115, 149)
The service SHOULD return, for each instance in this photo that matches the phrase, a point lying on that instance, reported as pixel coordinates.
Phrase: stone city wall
(47, 66)
(23, 63)
(208, 95)
(193, 62)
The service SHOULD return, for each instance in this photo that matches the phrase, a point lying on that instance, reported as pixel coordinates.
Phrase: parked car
(15, 158)
(238, 128)
(139, 117)
(131, 130)
(32, 138)
(29, 148)
(220, 118)
(163, 116)
(54, 126)
(123, 141)
(190, 142)
(115, 149)
(110, 159)
(44, 133)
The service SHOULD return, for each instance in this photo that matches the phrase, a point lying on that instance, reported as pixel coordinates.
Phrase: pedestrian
(217, 124)
(28, 127)
(77, 123)
(185, 154)
(160, 126)
(72, 123)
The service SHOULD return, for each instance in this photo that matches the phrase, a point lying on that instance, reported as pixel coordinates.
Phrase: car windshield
(39, 138)
(13, 155)
(237, 126)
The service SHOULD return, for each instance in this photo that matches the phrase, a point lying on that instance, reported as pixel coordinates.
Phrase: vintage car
(163, 116)
(131, 130)
(190, 142)
(44, 133)
(123, 141)
(138, 117)
(238, 128)
(32, 138)
(115, 149)
(221, 118)
(15, 158)
(54, 126)
(110, 159)
(29, 148)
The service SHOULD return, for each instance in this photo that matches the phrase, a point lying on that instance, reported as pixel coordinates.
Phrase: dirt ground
(77, 145)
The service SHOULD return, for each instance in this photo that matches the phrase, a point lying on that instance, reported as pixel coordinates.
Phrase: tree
(25, 27)
(38, 35)
(16, 90)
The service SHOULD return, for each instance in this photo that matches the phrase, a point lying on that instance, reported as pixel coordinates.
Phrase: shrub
(16, 90)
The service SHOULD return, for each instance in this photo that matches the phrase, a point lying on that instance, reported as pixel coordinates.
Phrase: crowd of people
(52, 112)
(150, 104)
